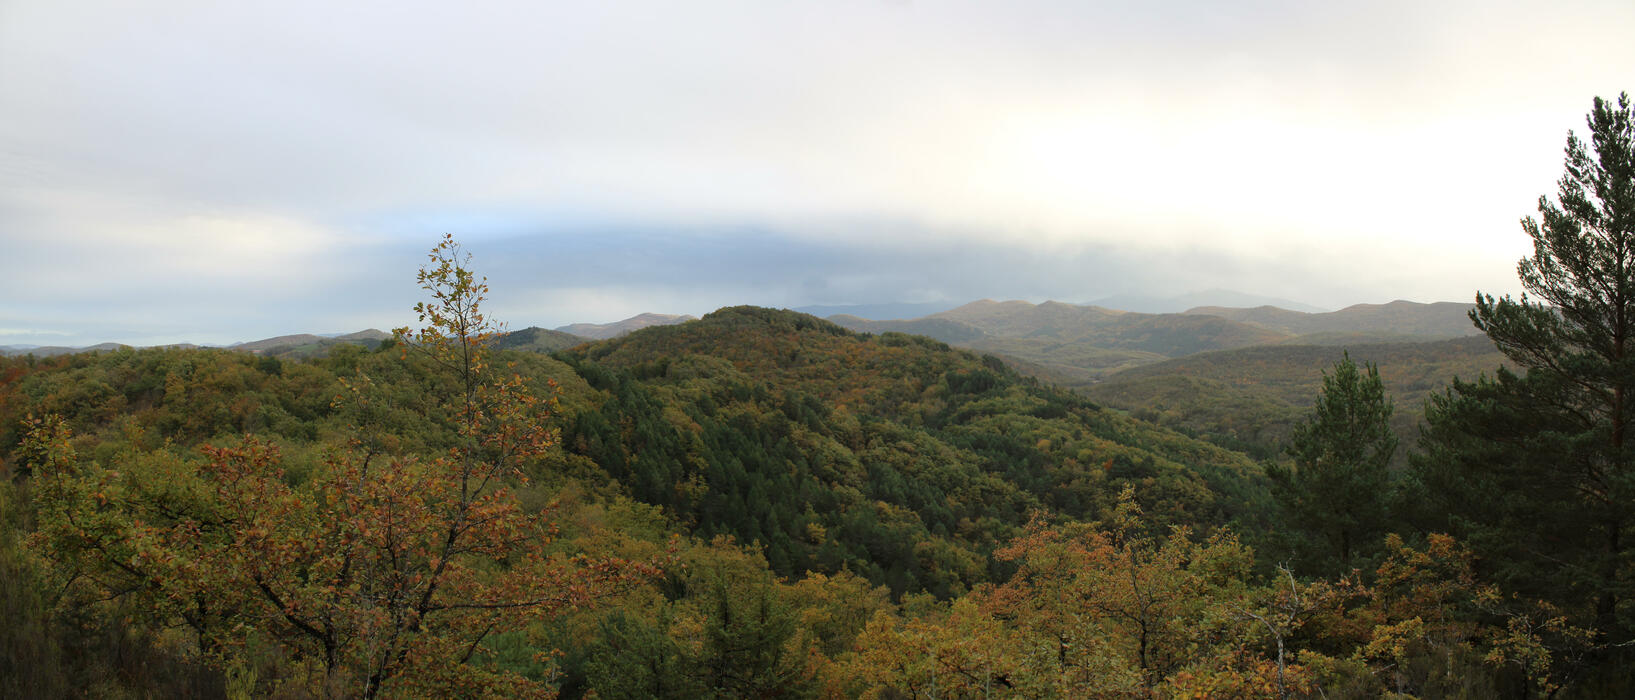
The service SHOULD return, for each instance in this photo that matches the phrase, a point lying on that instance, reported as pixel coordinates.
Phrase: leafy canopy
(381, 570)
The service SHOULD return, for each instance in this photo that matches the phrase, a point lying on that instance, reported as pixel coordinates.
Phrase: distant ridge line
(604, 331)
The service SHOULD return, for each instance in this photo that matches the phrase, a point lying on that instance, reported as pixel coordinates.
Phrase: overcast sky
(225, 171)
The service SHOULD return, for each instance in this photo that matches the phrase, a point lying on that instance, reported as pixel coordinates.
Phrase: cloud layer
(222, 171)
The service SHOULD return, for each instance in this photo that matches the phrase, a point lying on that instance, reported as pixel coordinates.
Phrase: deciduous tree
(384, 572)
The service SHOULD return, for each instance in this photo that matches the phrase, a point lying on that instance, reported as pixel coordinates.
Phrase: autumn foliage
(755, 504)
(375, 572)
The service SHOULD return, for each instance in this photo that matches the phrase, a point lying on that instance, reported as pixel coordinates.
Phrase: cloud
(31, 332)
(225, 167)
(556, 276)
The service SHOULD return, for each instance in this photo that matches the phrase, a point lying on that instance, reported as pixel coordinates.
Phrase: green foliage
(1536, 468)
(636, 658)
(374, 569)
(537, 339)
(726, 629)
(1338, 489)
(1250, 399)
(47, 651)
(891, 456)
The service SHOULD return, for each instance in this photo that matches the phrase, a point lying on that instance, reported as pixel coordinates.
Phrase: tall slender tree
(1338, 488)
(1534, 468)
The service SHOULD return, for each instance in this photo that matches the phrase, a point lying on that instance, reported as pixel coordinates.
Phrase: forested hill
(1250, 398)
(602, 331)
(538, 340)
(801, 463)
(891, 455)
(1077, 346)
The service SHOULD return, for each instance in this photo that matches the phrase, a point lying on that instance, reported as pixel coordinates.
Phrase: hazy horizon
(822, 311)
(215, 173)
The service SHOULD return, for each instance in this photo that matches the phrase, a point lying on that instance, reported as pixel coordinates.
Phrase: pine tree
(1534, 467)
(1338, 489)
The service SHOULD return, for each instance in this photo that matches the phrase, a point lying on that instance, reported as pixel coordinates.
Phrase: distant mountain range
(1249, 399)
(1069, 343)
(1122, 302)
(1408, 319)
(879, 312)
(310, 344)
(307, 344)
(1209, 297)
(53, 350)
(1076, 345)
(539, 340)
(603, 331)
(1237, 376)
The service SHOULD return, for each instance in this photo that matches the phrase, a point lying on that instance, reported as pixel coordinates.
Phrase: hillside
(55, 350)
(1073, 345)
(892, 456)
(1249, 398)
(299, 345)
(763, 423)
(307, 345)
(1077, 346)
(1209, 297)
(943, 329)
(1017, 319)
(603, 331)
(1402, 318)
(536, 339)
(878, 312)
(814, 477)
(780, 472)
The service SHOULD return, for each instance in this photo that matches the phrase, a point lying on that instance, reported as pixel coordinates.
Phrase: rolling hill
(1073, 345)
(1401, 318)
(762, 423)
(54, 350)
(1209, 297)
(895, 457)
(603, 331)
(1250, 398)
(308, 345)
(538, 339)
(878, 312)
(943, 329)
(1077, 346)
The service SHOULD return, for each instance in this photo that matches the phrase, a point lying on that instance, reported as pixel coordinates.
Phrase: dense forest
(760, 503)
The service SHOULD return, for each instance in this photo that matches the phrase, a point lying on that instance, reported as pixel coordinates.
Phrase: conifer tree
(1338, 489)
(1534, 467)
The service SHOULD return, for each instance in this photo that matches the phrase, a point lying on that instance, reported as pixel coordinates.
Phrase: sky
(214, 172)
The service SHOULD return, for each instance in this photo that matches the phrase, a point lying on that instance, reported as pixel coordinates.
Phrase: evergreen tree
(1337, 491)
(1534, 468)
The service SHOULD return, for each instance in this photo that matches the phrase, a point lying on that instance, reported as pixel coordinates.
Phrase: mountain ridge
(877, 312)
(1078, 344)
(1208, 297)
(1441, 319)
(604, 331)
